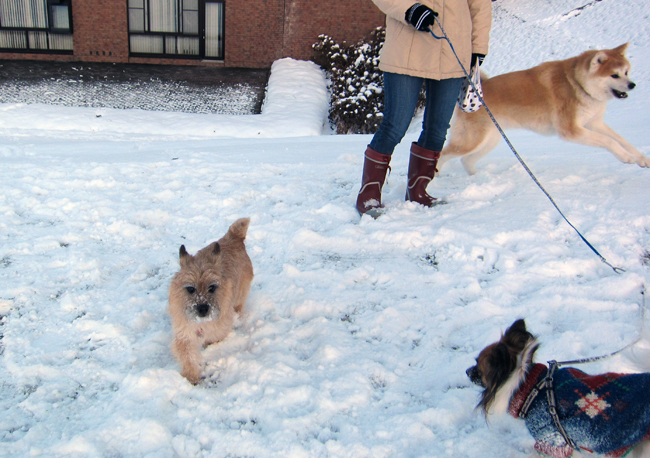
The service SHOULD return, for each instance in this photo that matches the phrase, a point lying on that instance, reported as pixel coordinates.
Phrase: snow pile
(357, 333)
(294, 88)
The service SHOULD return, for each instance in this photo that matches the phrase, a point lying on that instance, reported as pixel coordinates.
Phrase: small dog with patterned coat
(581, 415)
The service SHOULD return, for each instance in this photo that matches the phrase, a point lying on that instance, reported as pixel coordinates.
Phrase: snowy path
(357, 334)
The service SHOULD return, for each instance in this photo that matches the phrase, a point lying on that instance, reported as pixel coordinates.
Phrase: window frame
(182, 8)
(28, 35)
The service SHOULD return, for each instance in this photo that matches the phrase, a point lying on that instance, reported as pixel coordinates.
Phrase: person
(412, 57)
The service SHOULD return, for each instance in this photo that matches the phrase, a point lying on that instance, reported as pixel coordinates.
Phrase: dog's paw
(643, 161)
(192, 375)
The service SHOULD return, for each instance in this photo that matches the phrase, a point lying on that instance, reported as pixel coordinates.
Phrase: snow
(357, 333)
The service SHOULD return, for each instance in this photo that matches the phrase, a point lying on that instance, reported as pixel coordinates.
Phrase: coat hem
(421, 73)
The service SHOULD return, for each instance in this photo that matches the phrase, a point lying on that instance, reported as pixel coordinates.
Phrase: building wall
(343, 20)
(100, 30)
(257, 32)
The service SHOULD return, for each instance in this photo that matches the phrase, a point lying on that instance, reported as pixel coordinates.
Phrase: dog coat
(606, 414)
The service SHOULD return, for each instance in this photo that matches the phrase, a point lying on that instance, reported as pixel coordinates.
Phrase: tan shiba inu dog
(205, 294)
(567, 98)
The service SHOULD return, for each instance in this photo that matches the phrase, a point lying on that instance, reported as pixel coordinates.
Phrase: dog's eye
(615, 76)
(212, 288)
(190, 289)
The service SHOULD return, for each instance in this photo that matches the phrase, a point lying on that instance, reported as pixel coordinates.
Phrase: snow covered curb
(293, 85)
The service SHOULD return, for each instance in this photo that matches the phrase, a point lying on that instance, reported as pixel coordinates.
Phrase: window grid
(39, 26)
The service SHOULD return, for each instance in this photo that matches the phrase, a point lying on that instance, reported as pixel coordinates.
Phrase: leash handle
(618, 270)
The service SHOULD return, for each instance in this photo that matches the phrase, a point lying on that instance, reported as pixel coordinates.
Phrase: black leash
(618, 270)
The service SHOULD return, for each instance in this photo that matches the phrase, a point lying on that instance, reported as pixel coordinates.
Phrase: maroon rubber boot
(375, 166)
(422, 169)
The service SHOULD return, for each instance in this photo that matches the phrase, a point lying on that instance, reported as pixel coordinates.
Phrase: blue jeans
(400, 100)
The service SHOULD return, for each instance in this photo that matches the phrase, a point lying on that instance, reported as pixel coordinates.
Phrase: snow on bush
(356, 83)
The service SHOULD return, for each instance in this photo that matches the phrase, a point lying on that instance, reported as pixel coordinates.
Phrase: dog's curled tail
(239, 228)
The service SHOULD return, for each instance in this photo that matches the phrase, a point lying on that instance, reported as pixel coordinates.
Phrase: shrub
(356, 82)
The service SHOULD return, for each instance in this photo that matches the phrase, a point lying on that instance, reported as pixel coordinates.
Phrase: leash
(609, 355)
(618, 270)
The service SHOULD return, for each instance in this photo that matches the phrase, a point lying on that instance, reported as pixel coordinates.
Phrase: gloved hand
(477, 58)
(420, 17)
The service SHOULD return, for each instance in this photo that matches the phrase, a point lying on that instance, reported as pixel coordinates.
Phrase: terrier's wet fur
(205, 294)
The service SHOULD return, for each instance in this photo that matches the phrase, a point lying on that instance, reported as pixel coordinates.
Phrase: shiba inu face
(608, 75)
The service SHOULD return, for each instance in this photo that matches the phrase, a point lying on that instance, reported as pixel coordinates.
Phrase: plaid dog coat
(607, 414)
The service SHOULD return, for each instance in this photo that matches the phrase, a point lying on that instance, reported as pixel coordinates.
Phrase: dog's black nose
(475, 376)
(631, 86)
(202, 309)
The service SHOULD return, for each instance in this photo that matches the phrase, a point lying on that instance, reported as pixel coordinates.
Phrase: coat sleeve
(395, 9)
(481, 12)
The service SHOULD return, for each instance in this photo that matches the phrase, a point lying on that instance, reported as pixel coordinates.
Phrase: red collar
(525, 388)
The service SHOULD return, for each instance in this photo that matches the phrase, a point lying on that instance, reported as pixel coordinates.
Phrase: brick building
(229, 33)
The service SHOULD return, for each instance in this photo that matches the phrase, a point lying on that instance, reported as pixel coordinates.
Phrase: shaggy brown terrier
(205, 294)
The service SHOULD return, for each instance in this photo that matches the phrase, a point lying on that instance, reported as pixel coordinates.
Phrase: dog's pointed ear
(621, 49)
(517, 336)
(183, 256)
(517, 326)
(599, 59)
(216, 248)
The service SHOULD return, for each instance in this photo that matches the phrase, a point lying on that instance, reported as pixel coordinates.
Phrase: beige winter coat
(411, 52)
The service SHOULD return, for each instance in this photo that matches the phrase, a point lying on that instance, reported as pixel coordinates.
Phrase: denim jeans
(401, 94)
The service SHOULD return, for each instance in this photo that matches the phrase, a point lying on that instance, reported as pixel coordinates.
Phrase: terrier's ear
(621, 49)
(216, 249)
(183, 256)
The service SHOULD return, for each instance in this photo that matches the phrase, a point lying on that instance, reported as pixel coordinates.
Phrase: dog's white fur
(502, 399)
(567, 98)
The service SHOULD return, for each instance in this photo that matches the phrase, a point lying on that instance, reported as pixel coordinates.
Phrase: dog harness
(606, 414)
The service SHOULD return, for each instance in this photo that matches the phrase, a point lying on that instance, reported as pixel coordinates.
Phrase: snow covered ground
(357, 334)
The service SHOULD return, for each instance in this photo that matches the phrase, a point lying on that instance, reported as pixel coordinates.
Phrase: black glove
(477, 58)
(420, 17)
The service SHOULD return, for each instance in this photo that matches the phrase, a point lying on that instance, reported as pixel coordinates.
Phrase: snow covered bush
(356, 82)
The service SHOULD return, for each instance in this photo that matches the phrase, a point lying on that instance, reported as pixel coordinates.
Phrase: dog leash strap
(547, 384)
(531, 397)
(597, 358)
(618, 270)
(552, 406)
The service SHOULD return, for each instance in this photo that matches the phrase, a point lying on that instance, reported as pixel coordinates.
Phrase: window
(172, 28)
(164, 27)
(36, 25)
